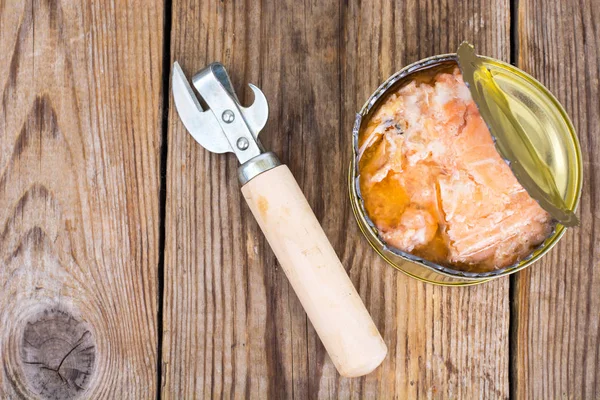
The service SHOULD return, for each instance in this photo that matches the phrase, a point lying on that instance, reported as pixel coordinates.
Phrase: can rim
(471, 277)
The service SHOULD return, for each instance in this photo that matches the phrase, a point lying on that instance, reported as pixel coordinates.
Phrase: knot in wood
(58, 355)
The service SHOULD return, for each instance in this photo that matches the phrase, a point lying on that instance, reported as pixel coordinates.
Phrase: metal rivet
(228, 116)
(242, 143)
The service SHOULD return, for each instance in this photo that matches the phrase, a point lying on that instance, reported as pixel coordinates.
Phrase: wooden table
(130, 267)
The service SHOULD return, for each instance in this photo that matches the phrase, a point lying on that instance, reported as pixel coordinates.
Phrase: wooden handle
(315, 272)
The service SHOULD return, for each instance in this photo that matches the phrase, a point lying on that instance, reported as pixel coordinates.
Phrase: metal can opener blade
(226, 126)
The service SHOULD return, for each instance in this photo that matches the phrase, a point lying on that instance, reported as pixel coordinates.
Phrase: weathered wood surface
(80, 220)
(556, 335)
(232, 325)
(80, 138)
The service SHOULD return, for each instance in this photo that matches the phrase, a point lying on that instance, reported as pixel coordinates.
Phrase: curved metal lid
(527, 125)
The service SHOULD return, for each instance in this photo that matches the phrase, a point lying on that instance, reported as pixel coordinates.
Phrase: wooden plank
(556, 331)
(80, 139)
(232, 326)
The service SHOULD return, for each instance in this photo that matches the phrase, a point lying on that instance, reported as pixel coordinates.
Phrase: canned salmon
(429, 190)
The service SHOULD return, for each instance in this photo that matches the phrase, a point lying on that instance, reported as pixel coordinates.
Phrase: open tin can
(548, 128)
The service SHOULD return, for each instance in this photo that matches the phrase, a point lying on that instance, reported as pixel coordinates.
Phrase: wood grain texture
(79, 198)
(232, 325)
(556, 335)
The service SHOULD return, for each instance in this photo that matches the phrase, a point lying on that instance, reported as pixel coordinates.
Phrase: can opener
(305, 254)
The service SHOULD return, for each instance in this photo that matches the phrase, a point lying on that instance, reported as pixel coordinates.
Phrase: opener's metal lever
(226, 126)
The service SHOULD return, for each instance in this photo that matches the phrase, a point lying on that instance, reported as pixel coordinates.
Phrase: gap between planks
(164, 151)
(512, 305)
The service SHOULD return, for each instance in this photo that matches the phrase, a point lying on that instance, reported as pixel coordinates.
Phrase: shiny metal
(511, 140)
(228, 116)
(200, 124)
(226, 123)
(257, 114)
(257, 166)
(242, 143)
